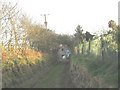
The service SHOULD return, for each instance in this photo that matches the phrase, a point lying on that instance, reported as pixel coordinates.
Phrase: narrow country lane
(55, 76)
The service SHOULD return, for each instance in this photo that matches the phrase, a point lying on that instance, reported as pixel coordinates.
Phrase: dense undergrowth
(28, 65)
(106, 70)
(100, 57)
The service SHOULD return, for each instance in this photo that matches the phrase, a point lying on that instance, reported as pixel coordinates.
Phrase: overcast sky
(65, 15)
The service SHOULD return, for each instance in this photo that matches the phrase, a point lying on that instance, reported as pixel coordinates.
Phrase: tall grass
(107, 69)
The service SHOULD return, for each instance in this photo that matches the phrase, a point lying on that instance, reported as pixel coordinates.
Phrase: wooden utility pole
(45, 19)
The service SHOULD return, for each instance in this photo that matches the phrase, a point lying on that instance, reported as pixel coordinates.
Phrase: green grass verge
(107, 69)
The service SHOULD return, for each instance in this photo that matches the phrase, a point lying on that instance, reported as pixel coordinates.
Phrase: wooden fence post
(102, 47)
(89, 46)
(83, 48)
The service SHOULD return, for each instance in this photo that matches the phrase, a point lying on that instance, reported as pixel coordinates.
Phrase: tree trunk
(15, 33)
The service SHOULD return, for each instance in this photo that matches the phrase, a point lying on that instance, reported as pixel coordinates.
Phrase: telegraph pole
(45, 22)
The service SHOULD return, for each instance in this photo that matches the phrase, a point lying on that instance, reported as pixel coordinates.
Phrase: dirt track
(54, 76)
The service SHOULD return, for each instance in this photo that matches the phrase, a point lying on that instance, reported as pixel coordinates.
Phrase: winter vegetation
(29, 49)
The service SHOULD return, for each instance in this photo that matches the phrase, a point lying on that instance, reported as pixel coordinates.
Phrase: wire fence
(105, 47)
